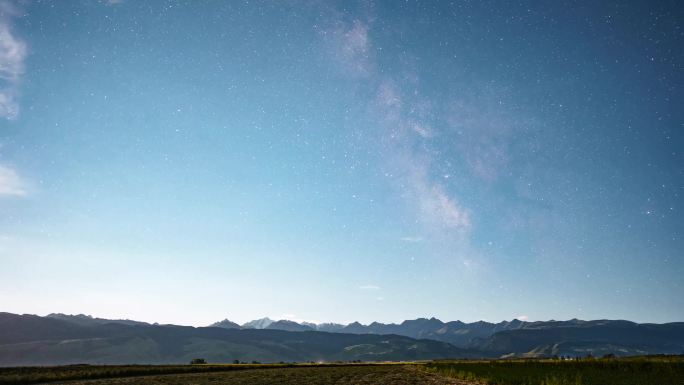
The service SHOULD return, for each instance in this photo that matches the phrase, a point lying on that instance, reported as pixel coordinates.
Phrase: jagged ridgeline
(66, 339)
(31, 340)
(516, 338)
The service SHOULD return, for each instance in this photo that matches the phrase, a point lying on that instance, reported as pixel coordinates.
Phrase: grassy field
(228, 375)
(32, 375)
(625, 371)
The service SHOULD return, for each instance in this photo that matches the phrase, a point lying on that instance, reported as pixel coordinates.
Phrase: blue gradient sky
(185, 162)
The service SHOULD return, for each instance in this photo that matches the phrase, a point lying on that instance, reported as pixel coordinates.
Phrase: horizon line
(344, 323)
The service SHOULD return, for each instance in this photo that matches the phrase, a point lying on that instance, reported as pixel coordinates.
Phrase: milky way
(374, 161)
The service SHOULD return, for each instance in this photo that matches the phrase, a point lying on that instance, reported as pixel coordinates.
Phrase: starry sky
(186, 162)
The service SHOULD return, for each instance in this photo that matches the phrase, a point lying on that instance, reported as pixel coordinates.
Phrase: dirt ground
(357, 375)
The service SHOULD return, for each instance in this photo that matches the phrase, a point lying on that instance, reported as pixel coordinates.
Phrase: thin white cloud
(10, 183)
(470, 264)
(411, 239)
(13, 51)
(522, 317)
(369, 287)
(9, 108)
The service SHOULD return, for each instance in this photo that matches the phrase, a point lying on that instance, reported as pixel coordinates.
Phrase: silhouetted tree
(197, 361)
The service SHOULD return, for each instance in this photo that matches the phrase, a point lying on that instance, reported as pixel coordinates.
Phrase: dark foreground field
(626, 371)
(232, 375)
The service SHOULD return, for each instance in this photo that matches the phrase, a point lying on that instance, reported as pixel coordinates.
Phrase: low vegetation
(661, 370)
(285, 374)
(665, 370)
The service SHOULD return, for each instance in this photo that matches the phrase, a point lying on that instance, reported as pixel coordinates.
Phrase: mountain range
(28, 340)
(67, 339)
(457, 333)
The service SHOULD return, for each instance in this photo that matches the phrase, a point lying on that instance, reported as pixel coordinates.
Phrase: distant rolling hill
(66, 339)
(34, 340)
(580, 338)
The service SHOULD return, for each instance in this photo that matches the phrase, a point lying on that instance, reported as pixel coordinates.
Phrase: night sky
(186, 162)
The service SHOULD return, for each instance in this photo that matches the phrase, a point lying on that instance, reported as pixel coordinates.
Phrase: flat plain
(287, 375)
(651, 370)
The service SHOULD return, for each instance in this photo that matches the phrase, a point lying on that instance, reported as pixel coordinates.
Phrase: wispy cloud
(369, 287)
(522, 317)
(10, 182)
(411, 239)
(13, 51)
